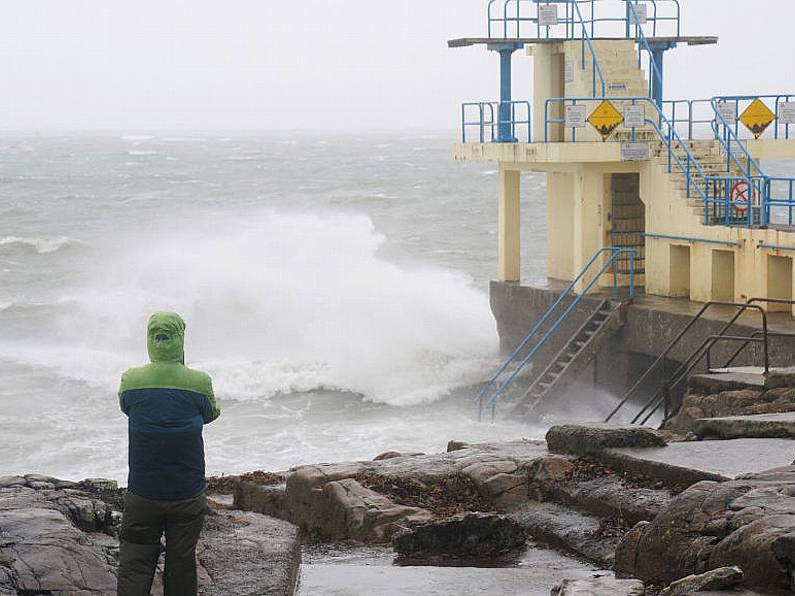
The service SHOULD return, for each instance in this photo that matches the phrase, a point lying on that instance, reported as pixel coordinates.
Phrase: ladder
(573, 358)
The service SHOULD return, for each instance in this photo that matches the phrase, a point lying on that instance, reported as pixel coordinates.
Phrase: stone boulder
(717, 579)
(600, 585)
(467, 535)
(42, 551)
(748, 522)
(583, 440)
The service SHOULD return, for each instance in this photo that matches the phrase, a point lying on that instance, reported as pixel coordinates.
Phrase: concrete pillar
(589, 197)
(548, 81)
(509, 225)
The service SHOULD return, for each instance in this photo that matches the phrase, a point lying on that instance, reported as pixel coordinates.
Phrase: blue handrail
(669, 137)
(656, 79)
(595, 67)
(615, 253)
(488, 126)
(509, 23)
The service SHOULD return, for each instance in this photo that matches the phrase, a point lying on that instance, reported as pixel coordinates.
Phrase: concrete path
(538, 571)
(704, 460)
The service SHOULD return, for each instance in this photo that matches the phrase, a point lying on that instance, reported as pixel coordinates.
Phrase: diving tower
(680, 181)
(662, 203)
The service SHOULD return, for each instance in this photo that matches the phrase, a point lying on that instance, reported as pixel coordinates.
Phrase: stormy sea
(335, 286)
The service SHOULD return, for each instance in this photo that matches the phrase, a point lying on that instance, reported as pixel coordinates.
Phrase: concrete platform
(683, 464)
(717, 381)
(770, 426)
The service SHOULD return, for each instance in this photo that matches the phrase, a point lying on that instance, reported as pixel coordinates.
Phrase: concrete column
(509, 225)
(547, 82)
(589, 197)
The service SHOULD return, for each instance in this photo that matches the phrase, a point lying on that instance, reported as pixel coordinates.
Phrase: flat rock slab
(703, 460)
(771, 426)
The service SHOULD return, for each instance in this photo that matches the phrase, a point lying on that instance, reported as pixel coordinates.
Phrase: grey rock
(99, 484)
(466, 535)
(600, 585)
(762, 426)
(589, 439)
(11, 481)
(749, 522)
(247, 554)
(717, 579)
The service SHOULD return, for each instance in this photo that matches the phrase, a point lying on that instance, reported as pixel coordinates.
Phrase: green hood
(165, 337)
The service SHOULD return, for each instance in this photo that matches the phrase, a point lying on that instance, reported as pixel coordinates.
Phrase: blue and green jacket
(167, 405)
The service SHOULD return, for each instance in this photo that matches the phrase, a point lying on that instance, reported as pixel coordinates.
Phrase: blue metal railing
(655, 75)
(694, 117)
(745, 195)
(487, 118)
(615, 254)
(696, 180)
(508, 20)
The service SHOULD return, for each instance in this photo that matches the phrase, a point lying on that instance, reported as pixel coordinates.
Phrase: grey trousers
(144, 523)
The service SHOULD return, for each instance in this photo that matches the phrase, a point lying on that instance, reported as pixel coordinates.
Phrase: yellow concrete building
(679, 183)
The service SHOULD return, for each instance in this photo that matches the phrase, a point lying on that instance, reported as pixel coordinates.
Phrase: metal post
(657, 79)
(504, 113)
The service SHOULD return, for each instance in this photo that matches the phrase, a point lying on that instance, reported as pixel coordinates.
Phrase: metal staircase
(503, 383)
(573, 358)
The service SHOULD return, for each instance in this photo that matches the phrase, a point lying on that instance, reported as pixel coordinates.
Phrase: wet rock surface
(371, 501)
(770, 426)
(749, 522)
(715, 580)
(469, 535)
(60, 538)
(584, 440)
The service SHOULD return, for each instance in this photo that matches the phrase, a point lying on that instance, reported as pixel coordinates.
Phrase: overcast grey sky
(314, 64)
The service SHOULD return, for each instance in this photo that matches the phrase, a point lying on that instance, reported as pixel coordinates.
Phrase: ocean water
(335, 286)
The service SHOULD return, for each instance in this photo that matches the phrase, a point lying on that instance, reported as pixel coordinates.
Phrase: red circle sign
(740, 196)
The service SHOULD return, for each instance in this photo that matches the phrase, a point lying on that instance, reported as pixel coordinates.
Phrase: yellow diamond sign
(605, 119)
(757, 117)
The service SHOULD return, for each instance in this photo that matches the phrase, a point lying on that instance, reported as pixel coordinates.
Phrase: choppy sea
(335, 286)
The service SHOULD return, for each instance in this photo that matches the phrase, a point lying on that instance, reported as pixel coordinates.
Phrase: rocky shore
(658, 514)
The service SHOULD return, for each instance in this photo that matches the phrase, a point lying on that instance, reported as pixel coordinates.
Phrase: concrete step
(609, 497)
(680, 465)
(765, 426)
(566, 529)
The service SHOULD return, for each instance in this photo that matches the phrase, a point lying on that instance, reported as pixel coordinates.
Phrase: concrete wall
(648, 330)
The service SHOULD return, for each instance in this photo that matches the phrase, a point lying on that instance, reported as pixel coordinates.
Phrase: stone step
(566, 529)
(767, 426)
(609, 497)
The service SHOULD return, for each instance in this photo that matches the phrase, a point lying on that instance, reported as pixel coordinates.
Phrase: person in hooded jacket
(167, 405)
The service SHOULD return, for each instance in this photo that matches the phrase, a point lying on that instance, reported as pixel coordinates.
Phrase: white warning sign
(548, 15)
(786, 113)
(575, 116)
(634, 116)
(640, 14)
(568, 72)
(728, 109)
(635, 151)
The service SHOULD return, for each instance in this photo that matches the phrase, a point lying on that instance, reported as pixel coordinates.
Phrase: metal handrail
(643, 43)
(664, 355)
(500, 23)
(698, 355)
(663, 395)
(486, 120)
(615, 253)
(668, 138)
(776, 334)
